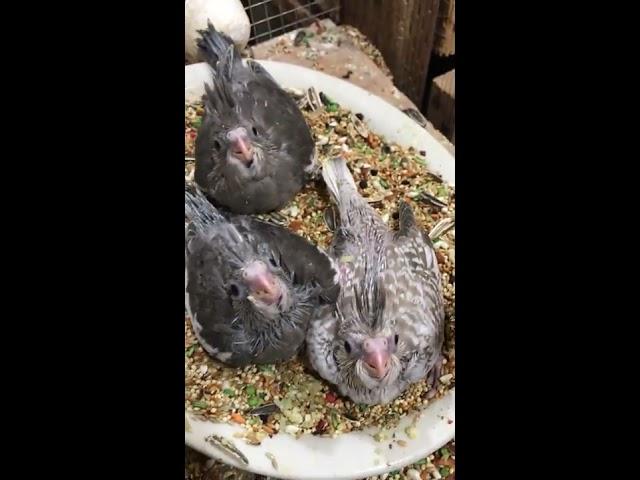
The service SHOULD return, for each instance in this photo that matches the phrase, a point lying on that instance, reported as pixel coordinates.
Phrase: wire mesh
(271, 18)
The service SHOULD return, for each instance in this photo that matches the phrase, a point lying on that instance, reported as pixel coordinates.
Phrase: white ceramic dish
(353, 455)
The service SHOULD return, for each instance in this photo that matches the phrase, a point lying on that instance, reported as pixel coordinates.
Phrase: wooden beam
(403, 31)
(442, 105)
(445, 40)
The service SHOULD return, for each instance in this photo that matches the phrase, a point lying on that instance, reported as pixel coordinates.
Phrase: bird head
(231, 141)
(234, 149)
(262, 285)
(367, 359)
(367, 348)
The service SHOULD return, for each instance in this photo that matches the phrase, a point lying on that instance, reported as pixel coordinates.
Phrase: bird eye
(255, 132)
(233, 290)
(396, 338)
(216, 144)
(347, 347)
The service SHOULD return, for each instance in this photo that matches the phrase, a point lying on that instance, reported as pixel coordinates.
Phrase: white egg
(227, 16)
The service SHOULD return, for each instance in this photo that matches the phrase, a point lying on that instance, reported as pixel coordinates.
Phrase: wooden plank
(447, 83)
(445, 40)
(403, 31)
(442, 105)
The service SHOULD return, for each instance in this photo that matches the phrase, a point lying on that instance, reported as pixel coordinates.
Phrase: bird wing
(320, 338)
(413, 278)
(207, 300)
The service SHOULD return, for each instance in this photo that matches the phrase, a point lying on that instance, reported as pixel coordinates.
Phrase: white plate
(353, 455)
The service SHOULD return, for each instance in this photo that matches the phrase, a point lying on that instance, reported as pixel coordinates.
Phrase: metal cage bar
(270, 18)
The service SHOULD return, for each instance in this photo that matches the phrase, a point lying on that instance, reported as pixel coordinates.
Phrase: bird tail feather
(214, 45)
(339, 180)
(198, 210)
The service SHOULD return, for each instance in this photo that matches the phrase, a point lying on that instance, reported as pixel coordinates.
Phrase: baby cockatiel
(251, 286)
(253, 151)
(387, 328)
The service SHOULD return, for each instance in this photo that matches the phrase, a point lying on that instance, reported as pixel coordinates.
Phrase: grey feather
(228, 322)
(246, 96)
(390, 287)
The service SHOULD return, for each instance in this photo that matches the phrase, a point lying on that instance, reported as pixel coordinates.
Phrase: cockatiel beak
(262, 284)
(241, 147)
(376, 356)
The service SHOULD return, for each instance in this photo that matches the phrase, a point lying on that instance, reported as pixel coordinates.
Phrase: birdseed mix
(289, 397)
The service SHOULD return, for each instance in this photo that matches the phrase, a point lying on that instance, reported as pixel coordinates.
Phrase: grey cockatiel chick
(387, 328)
(251, 286)
(253, 151)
